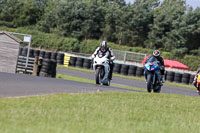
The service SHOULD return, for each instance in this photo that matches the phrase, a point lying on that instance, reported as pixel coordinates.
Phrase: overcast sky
(193, 3)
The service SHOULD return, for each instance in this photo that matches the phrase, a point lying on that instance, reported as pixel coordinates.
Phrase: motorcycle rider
(195, 79)
(156, 54)
(106, 51)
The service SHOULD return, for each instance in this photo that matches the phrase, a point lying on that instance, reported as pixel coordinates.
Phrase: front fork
(156, 75)
(147, 72)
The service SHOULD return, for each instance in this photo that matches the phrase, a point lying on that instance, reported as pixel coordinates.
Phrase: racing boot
(160, 81)
(163, 78)
(110, 75)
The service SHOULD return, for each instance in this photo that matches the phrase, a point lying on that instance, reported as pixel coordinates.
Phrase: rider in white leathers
(107, 52)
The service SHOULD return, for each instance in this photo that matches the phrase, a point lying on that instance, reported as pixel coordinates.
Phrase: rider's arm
(162, 61)
(148, 58)
(95, 53)
(112, 56)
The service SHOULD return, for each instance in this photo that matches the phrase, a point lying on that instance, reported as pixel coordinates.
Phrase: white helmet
(103, 46)
(156, 53)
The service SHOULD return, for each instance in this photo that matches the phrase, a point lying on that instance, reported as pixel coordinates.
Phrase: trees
(169, 26)
(16, 13)
(192, 34)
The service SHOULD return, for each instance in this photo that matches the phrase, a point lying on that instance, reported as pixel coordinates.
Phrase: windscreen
(152, 59)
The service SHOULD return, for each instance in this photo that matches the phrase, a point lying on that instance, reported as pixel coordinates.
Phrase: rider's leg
(158, 76)
(145, 74)
(111, 70)
(162, 76)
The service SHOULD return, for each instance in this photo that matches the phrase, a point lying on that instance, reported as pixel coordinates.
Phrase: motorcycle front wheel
(108, 83)
(97, 76)
(149, 82)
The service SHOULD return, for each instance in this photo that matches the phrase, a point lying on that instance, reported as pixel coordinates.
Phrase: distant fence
(124, 56)
(127, 56)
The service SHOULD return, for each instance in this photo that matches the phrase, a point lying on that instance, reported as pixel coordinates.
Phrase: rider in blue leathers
(160, 74)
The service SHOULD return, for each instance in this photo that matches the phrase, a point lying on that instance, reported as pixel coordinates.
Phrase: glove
(162, 67)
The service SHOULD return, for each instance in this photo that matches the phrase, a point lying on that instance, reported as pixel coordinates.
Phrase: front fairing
(151, 66)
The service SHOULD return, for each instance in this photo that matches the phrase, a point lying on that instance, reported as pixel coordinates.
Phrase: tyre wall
(132, 70)
(118, 68)
(58, 57)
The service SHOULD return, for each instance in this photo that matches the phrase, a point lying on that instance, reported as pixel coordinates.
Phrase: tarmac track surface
(20, 85)
(130, 82)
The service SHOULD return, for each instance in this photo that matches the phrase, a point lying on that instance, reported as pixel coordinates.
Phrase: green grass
(84, 80)
(100, 113)
(130, 77)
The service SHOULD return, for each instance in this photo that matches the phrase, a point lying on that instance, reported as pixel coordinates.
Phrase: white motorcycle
(102, 69)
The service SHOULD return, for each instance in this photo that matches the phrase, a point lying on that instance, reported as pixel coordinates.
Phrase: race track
(130, 82)
(20, 85)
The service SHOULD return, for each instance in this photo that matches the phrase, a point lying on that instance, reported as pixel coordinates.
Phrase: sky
(193, 3)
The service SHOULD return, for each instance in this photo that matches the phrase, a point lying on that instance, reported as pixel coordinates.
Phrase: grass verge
(100, 113)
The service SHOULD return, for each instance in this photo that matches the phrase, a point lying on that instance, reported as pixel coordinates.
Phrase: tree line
(170, 26)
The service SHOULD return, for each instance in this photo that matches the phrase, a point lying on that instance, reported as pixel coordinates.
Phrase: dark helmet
(103, 46)
(156, 53)
(198, 70)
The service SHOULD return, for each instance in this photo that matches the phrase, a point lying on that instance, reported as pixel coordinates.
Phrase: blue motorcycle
(151, 72)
